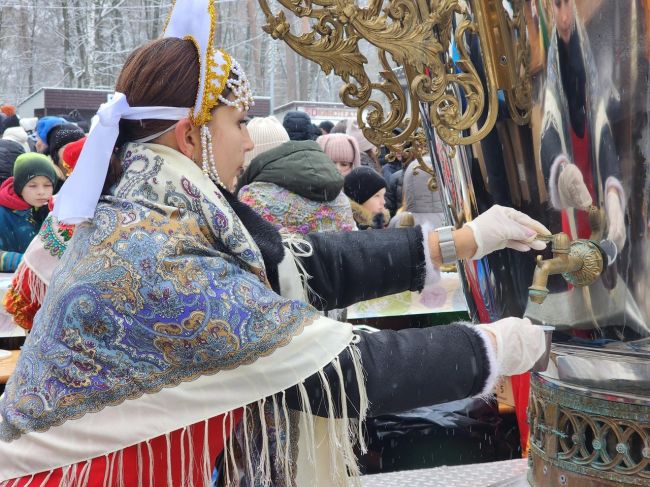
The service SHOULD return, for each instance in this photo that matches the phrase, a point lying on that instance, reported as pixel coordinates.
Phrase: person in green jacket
(293, 184)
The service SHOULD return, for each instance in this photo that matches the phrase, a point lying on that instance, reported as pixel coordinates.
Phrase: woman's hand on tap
(497, 228)
(502, 227)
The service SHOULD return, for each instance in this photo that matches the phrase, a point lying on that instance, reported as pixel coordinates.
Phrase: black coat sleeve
(349, 267)
(404, 370)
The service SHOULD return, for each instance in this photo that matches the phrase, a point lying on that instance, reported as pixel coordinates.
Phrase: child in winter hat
(33, 169)
(33, 276)
(366, 190)
(24, 202)
(343, 150)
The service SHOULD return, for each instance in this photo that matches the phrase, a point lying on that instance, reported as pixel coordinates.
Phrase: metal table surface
(510, 473)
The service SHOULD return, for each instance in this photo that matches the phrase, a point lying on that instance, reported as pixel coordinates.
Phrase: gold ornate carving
(415, 35)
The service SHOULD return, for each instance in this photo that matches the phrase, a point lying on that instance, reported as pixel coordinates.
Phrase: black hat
(10, 121)
(61, 135)
(327, 126)
(298, 125)
(362, 183)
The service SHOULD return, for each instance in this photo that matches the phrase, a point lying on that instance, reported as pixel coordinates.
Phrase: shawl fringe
(279, 430)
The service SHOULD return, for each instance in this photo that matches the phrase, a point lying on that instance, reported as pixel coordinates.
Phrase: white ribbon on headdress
(78, 197)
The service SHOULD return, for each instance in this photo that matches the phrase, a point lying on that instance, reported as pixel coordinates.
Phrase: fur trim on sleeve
(491, 354)
(432, 273)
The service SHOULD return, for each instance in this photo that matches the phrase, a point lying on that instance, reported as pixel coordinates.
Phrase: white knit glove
(572, 190)
(519, 344)
(501, 227)
(615, 219)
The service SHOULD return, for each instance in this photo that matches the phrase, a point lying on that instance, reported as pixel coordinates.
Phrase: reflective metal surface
(592, 106)
(580, 263)
(587, 143)
(589, 67)
(623, 370)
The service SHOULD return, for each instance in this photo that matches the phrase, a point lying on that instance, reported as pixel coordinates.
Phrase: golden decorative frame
(416, 35)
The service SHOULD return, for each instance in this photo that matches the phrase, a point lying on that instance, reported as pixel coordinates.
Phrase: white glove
(572, 190)
(519, 344)
(501, 227)
(615, 219)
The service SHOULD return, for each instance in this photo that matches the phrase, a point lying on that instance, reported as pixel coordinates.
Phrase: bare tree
(83, 44)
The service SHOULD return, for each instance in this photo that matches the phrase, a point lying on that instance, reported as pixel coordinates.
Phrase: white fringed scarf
(160, 317)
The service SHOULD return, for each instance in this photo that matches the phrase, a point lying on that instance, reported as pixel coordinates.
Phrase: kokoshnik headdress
(193, 20)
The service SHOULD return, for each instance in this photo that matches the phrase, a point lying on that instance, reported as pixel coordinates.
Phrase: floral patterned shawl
(296, 214)
(161, 300)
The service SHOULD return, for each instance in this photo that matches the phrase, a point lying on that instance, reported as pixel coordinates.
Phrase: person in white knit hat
(17, 134)
(266, 133)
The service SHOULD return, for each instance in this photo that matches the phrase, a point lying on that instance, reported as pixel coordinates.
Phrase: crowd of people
(368, 185)
(176, 267)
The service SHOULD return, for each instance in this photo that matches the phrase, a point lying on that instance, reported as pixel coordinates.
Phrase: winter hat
(70, 155)
(340, 147)
(267, 133)
(362, 183)
(30, 165)
(18, 135)
(298, 125)
(10, 121)
(46, 124)
(354, 130)
(28, 124)
(61, 135)
(327, 126)
(8, 110)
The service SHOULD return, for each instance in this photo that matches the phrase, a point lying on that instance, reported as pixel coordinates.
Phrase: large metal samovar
(542, 105)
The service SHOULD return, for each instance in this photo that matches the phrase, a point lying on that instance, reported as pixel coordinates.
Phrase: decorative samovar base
(589, 418)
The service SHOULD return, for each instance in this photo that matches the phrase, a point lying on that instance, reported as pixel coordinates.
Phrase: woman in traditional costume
(174, 343)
